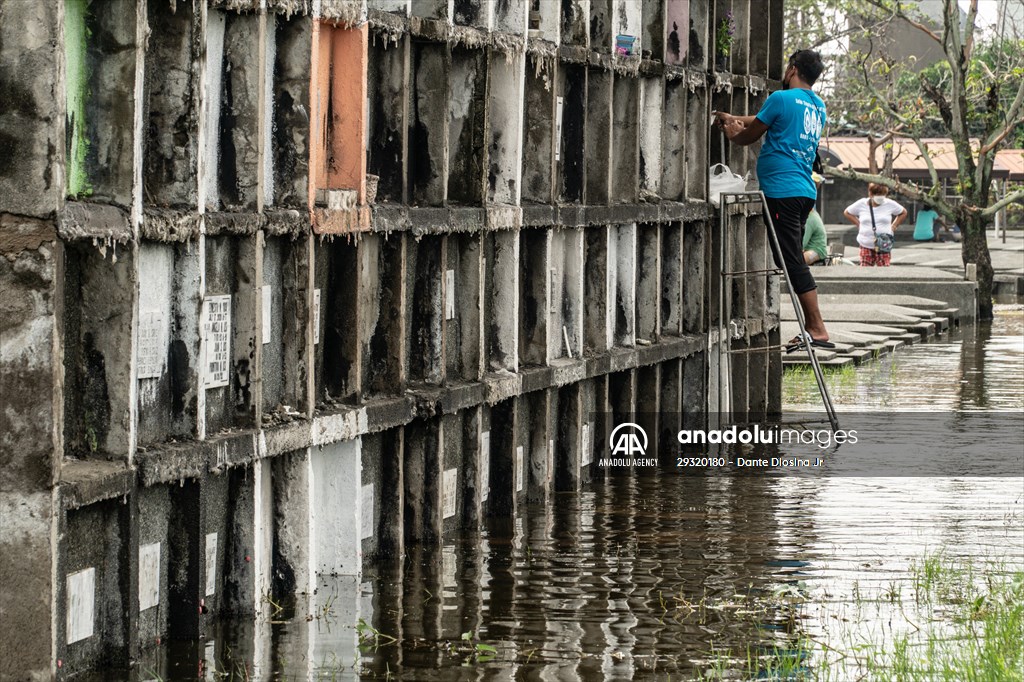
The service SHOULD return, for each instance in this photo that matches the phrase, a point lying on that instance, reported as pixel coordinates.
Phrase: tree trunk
(974, 249)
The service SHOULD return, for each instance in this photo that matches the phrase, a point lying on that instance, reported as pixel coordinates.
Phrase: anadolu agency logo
(628, 444)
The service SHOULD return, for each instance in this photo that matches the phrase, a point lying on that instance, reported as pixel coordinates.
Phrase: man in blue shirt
(793, 119)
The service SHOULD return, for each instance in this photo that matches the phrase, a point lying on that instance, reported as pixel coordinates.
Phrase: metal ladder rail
(725, 298)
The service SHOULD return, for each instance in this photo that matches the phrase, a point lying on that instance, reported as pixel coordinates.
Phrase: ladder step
(764, 271)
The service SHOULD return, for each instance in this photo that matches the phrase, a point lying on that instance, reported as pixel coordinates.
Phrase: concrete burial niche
(336, 508)
(695, 277)
(167, 349)
(467, 145)
(649, 279)
(381, 529)
(571, 132)
(231, 313)
(540, 130)
(382, 318)
(533, 463)
(290, 132)
(565, 305)
(671, 284)
(575, 22)
(283, 319)
(92, 609)
(98, 350)
(652, 28)
(602, 33)
(510, 17)
(696, 144)
(544, 20)
(388, 103)
(431, 9)
(534, 296)
(463, 322)
(625, 140)
(622, 251)
(424, 313)
(337, 281)
(100, 56)
(470, 12)
(674, 138)
(172, 89)
(598, 137)
(676, 31)
(239, 122)
(428, 125)
(505, 120)
(422, 483)
(598, 296)
(338, 157)
(700, 55)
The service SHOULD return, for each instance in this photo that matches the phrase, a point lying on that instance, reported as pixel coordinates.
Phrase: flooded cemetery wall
(291, 285)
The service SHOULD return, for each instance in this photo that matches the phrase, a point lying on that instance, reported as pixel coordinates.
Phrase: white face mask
(877, 201)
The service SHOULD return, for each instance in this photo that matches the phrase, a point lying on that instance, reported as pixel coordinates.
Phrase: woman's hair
(874, 189)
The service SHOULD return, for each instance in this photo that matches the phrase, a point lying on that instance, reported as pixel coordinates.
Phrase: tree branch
(897, 12)
(1000, 137)
(1011, 198)
(972, 17)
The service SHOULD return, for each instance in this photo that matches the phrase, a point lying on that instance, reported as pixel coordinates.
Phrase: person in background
(815, 243)
(924, 228)
(875, 214)
(791, 121)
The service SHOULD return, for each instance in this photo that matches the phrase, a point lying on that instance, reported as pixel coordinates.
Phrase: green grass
(949, 620)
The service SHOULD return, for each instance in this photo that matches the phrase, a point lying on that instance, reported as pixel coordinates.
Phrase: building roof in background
(908, 163)
(1012, 160)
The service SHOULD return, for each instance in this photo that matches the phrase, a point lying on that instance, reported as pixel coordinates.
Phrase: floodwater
(662, 576)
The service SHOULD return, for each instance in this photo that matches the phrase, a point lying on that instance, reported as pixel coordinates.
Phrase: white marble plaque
(485, 465)
(520, 471)
(558, 128)
(587, 448)
(449, 295)
(366, 521)
(149, 576)
(152, 344)
(316, 316)
(448, 566)
(268, 298)
(217, 332)
(81, 604)
(449, 492)
(211, 564)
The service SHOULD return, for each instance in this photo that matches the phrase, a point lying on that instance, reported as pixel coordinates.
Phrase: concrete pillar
(757, 376)
(670, 406)
(534, 455)
(501, 268)
(209, 136)
(571, 423)
(741, 44)
(695, 391)
(652, 94)
(598, 296)
(648, 408)
(776, 34)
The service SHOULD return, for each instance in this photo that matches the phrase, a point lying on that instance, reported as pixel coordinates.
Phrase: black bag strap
(874, 228)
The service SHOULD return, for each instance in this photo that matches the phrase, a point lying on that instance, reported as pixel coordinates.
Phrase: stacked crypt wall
(291, 286)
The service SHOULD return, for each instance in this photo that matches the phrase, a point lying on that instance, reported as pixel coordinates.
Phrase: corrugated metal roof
(1012, 160)
(908, 161)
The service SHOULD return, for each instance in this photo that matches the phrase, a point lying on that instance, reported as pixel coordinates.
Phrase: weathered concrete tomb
(293, 285)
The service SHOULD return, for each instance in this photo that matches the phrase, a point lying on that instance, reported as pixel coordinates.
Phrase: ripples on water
(648, 576)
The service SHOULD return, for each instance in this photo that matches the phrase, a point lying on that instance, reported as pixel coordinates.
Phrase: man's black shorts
(789, 215)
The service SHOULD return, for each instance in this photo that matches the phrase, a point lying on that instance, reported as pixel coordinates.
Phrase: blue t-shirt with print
(795, 119)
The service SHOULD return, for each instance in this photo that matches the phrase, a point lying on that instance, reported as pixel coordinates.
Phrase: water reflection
(649, 576)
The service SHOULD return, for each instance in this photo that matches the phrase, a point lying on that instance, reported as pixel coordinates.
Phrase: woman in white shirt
(888, 216)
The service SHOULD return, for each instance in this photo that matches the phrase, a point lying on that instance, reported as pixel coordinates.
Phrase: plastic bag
(721, 179)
